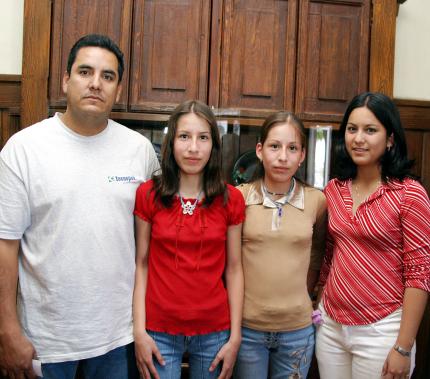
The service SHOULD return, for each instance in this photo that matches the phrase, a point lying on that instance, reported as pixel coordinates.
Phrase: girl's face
(366, 138)
(192, 146)
(282, 153)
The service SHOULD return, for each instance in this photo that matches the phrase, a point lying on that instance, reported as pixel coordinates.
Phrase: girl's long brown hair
(166, 184)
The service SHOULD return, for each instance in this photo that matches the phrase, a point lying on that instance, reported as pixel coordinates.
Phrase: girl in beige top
(282, 246)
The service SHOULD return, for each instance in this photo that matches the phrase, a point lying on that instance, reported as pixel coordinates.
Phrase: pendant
(188, 208)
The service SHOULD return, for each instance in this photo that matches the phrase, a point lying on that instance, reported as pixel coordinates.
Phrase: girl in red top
(188, 238)
(376, 272)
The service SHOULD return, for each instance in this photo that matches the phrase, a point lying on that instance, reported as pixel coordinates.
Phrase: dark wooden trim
(413, 103)
(35, 61)
(4, 128)
(10, 99)
(9, 124)
(347, 2)
(10, 91)
(215, 53)
(415, 114)
(382, 41)
(10, 78)
(425, 177)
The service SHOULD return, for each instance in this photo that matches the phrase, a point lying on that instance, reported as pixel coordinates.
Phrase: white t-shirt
(70, 200)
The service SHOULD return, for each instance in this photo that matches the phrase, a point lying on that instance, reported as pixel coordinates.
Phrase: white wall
(412, 54)
(412, 57)
(11, 33)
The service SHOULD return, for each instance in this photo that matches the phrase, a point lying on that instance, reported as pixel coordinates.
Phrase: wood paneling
(258, 56)
(72, 20)
(170, 53)
(234, 88)
(10, 91)
(425, 170)
(414, 140)
(35, 61)
(332, 58)
(9, 124)
(415, 117)
(10, 98)
(382, 46)
(414, 114)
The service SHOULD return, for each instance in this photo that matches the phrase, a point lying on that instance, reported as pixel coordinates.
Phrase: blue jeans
(119, 363)
(202, 350)
(275, 355)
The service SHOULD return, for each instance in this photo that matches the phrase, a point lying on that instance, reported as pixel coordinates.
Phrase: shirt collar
(390, 185)
(255, 195)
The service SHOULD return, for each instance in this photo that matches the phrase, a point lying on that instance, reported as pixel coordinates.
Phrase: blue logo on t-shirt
(123, 179)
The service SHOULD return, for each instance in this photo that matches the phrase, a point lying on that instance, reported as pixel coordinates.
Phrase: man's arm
(16, 352)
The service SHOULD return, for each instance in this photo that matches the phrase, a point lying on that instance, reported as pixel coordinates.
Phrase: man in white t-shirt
(67, 250)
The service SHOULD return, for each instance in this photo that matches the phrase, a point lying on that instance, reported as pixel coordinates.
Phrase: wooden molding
(382, 41)
(35, 61)
(10, 91)
(215, 55)
(10, 78)
(415, 114)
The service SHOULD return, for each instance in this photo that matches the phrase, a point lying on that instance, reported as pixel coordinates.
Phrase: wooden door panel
(333, 56)
(73, 19)
(258, 56)
(414, 141)
(425, 176)
(170, 53)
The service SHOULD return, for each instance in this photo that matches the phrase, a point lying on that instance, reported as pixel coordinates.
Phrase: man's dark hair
(96, 40)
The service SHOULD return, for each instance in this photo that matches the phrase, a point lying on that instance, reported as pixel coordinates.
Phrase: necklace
(276, 193)
(278, 204)
(281, 193)
(188, 207)
(358, 194)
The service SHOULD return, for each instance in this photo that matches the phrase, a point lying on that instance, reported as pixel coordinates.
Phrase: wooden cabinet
(257, 59)
(74, 18)
(333, 55)
(257, 56)
(170, 47)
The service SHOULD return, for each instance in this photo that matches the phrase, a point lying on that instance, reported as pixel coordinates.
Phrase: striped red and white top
(373, 255)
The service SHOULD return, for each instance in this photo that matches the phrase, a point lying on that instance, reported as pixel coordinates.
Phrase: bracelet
(402, 351)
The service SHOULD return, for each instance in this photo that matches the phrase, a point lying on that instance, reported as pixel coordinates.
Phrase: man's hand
(16, 353)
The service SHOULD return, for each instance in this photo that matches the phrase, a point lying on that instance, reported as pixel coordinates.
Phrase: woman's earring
(389, 148)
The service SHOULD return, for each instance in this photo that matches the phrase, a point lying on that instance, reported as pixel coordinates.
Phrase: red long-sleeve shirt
(373, 255)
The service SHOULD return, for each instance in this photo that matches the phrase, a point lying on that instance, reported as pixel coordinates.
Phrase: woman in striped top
(376, 272)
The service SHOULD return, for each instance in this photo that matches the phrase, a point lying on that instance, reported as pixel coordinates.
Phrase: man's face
(93, 86)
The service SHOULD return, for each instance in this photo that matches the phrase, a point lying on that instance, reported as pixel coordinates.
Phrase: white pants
(356, 352)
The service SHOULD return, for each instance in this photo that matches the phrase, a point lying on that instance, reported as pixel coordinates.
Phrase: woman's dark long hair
(270, 122)
(166, 184)
(394, 163)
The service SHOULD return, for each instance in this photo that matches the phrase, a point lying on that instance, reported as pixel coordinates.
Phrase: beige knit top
(276, 262)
